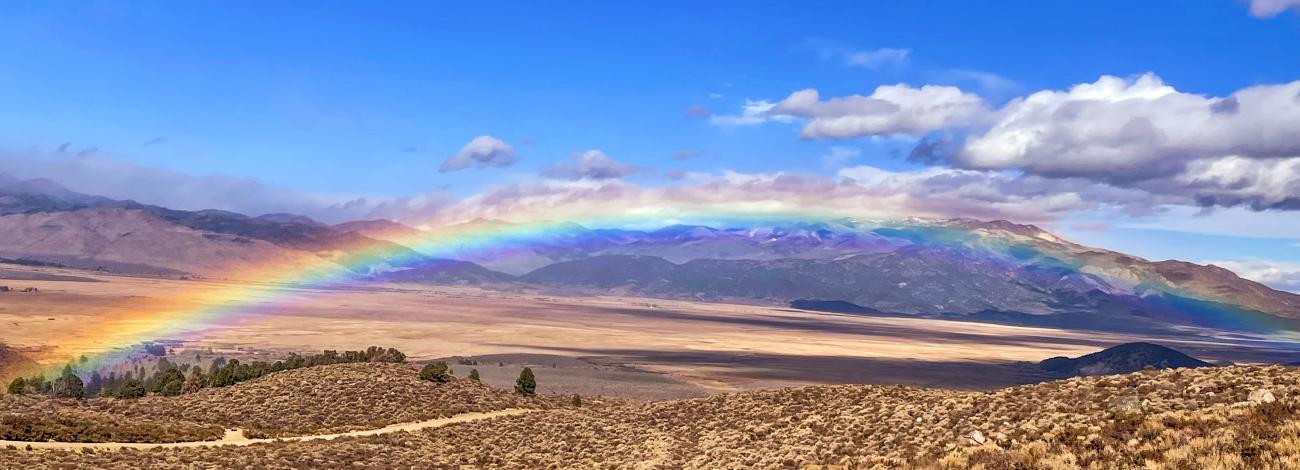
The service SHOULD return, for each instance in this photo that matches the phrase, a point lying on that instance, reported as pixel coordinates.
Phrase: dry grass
(28, 418)
(1179, 419)
(314, 400)
(324, 399)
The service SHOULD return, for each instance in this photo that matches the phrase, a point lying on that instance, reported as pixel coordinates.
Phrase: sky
(1167, 129)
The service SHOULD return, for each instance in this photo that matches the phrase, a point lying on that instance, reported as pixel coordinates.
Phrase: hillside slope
(323, 399)
(1230, 418)
(133, 240)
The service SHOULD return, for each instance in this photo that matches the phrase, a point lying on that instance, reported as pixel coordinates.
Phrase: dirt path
(235, 437)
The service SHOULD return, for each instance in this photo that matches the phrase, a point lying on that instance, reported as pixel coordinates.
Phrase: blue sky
(345, 99)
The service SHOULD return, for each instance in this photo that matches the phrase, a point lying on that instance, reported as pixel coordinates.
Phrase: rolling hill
(1219, 417)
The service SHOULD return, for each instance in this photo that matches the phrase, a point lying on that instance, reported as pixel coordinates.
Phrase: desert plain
(629, 347)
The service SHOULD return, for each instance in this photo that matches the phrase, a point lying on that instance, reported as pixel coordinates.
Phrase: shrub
(169, 383)
(131, 388)
(17, 385)
(436, 372)
(473, 375)
(37, 384)
(526, 384)
(577, 400)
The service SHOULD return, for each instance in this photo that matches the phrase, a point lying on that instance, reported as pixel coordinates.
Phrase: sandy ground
(692, 348)
(235, 437)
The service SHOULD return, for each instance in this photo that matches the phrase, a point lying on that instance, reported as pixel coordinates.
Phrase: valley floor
(629, 347)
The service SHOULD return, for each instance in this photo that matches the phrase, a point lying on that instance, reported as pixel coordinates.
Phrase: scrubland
(1239, 417)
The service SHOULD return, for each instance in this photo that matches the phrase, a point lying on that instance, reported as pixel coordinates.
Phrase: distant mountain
(1122, 359)
(381, 229)
(134, 241)
(995, 271)
(445, 272)
(987, 271)
(42, 221)
(19, 196)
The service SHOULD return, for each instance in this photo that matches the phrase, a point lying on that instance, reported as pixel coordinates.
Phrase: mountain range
(959, 268)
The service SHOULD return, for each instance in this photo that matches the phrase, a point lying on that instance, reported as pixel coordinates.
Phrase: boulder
(1127, 406)
(1261, 396)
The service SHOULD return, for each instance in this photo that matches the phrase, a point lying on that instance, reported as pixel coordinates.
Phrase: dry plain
(630, 347)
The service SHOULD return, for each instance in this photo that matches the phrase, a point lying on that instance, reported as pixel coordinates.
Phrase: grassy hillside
(313, 400)
(1223, 418)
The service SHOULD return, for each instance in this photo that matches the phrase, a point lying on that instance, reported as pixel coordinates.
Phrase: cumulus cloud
(1238, 150)
(1271, 8)
(1276, 274)
(1136, 133)
(481, 152)
(889, 110)
(590, 165)
(1135, 129)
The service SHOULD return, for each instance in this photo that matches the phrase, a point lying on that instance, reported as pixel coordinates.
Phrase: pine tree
(69, 385)
(168, 382)
(526, 384)
(95, 384)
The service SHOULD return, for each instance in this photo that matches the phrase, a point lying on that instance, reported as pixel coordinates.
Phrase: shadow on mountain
(769, 370)
(832, 324)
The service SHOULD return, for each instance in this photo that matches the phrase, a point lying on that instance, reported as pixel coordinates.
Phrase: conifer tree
(526, 384)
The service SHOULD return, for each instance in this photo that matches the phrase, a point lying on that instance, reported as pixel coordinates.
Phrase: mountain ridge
(962, 268)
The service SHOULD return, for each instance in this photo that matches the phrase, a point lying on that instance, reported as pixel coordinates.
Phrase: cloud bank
(1240, 150)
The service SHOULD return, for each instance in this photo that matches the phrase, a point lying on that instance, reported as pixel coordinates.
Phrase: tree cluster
(169, 379)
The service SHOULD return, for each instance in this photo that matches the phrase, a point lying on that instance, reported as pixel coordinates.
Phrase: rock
(1127, 406)
(977, 437)
(1261, 396)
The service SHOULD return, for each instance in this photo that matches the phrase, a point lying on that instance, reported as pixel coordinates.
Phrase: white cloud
(1281, 275)
(751, 113)
(876, 58)
(1138, 133)
(483, 151)
(1133, 129)
(889, 110)
(591, 165)
(1271, 8)
(865, 58)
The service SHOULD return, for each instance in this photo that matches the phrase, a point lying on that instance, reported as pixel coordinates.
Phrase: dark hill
(1122, 359)
(834, 306)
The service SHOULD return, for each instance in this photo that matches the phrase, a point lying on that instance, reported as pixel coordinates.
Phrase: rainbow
(261, 288)
(208, 304)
